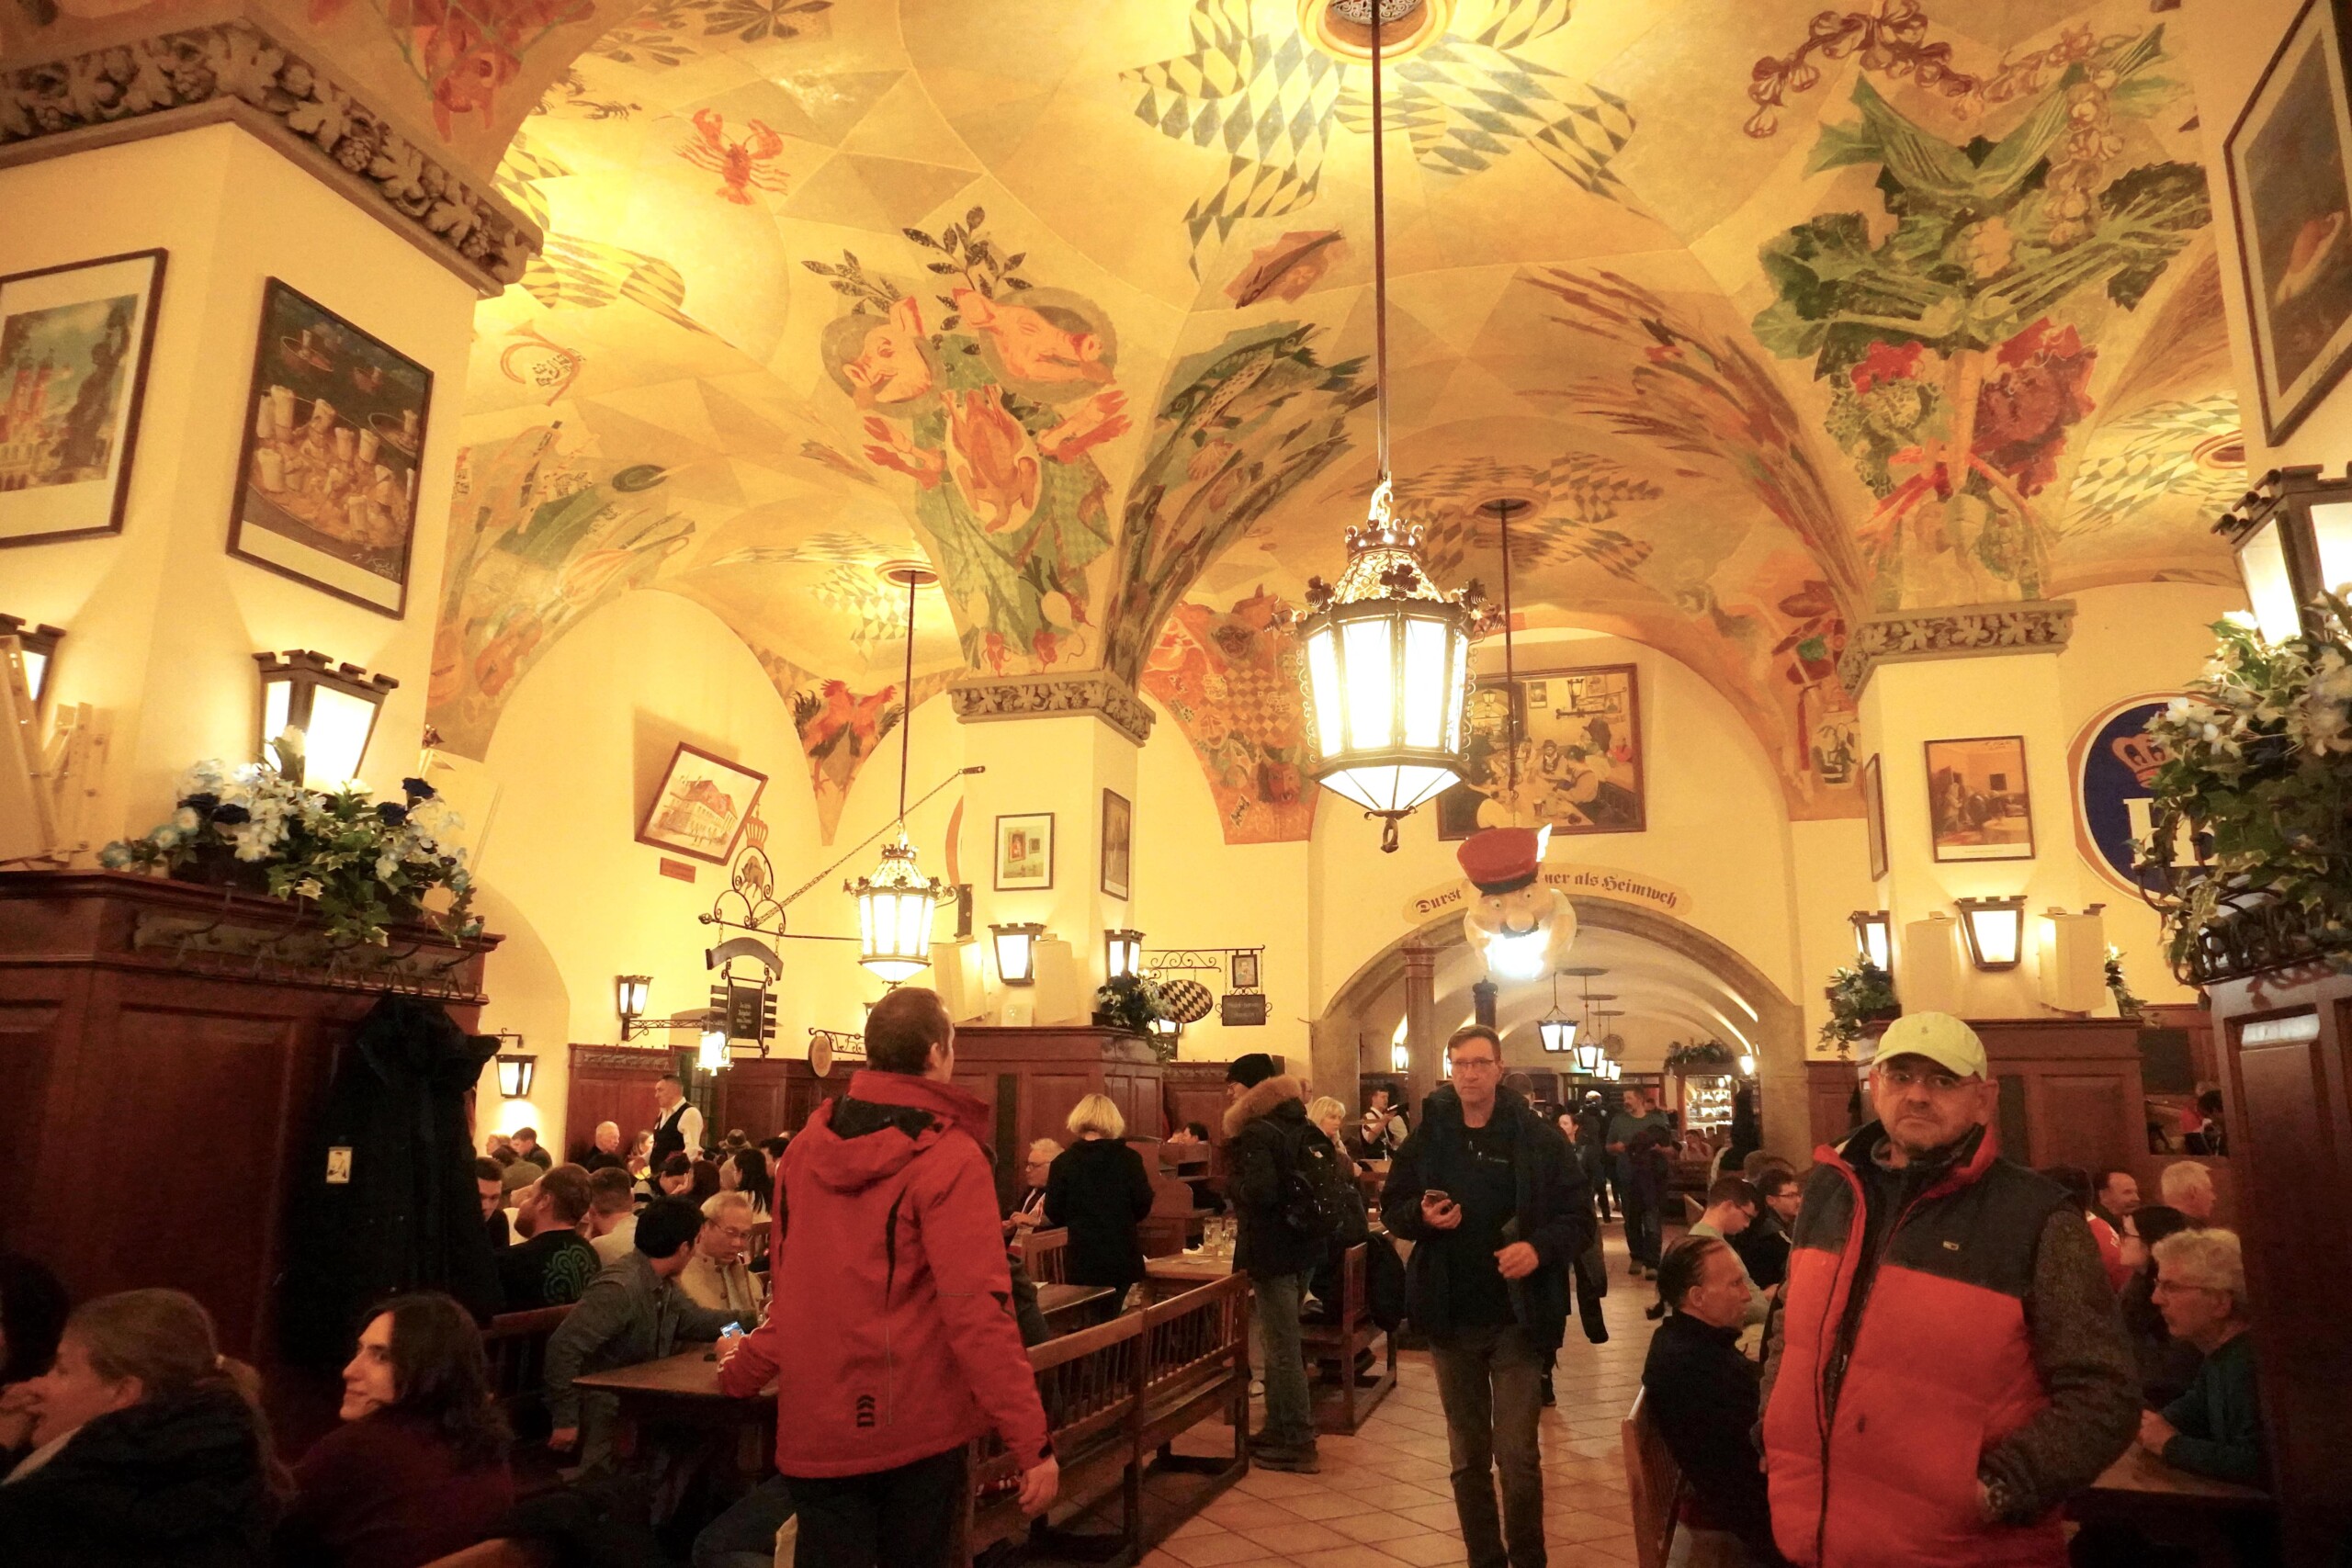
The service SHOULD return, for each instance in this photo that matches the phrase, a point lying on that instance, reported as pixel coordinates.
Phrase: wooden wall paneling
(755, 1093)
(1829, 1090)
(2088, 1118)
(1051, 1097)
(611, 1083)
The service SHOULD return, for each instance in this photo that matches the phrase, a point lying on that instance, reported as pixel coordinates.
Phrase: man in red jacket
(891, 1332)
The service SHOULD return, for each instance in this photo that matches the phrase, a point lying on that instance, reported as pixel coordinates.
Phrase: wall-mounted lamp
(1016, 951)
(331, 709)
(1993, 930)
(630, 993)
(515, 1071)
(1747, 1064)
(1874, 938)
(2292, 537)
(39, 646)
(1122, 952)
(1400, 1057)
(713, 1055)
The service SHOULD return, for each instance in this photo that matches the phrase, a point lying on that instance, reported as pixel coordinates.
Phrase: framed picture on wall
(702, 805)
(2289, 158)
(74, 347)
(334, 434)
(1025, 852)
(1978, 808)
(1118, 844)
(1579, 753)
(1874, 816)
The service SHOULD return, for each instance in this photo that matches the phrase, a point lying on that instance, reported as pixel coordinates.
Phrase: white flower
(114, 857)
(186, 820)
(254, 841)
(308, 887)
(388, 867)
(166, 837)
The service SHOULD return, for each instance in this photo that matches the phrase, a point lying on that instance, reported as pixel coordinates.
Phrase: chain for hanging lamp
(895, 904)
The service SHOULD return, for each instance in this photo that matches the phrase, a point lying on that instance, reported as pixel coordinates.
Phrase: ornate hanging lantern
(895, 904)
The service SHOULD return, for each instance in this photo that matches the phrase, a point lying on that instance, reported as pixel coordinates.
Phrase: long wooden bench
(1653, 1483)
(1045, 1255)
(1343, 1339)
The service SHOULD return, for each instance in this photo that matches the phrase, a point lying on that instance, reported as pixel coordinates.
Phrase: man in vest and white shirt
(677, 1125)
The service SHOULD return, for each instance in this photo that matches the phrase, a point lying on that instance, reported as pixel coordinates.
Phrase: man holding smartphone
(1497, 1210)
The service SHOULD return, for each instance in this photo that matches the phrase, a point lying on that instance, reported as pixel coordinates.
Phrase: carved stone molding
(234, 71)
(1108, 698)
(1955, 631)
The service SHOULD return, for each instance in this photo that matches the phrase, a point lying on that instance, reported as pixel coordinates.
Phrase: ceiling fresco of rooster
(1761, 317)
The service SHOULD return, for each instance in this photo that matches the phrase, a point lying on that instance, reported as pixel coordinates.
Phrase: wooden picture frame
(1582, 728)
(1118, 844)
(1025, 852)
(82, 334)
(2289, 156)
(701, 804)
(1874, 816)
(327, 491)
(1979, 804)
(1241, 970)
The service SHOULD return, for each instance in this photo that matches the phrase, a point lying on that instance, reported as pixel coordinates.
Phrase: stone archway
(1780, 1022)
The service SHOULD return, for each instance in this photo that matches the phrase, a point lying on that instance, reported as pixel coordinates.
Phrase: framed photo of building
(2289, 158)
(1025, 852)
(1874, 816)
(702, 805)
(75, 341)
(1118, 844)
(1579, 765)
(1978, 806)
(334, 434)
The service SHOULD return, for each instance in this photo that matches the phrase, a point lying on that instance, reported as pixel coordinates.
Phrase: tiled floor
(1383, 1498)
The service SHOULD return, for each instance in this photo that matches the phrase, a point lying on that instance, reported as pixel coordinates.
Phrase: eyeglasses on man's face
(1904, 1079)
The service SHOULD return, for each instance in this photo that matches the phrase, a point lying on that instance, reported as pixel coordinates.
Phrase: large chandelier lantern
(895, 904)
(1388, 651)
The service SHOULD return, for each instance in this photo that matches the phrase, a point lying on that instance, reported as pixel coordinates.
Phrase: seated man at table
(1703, 1397)
(631, 1312)
(552, 1264)
(716, 1276)
(2215, 1429)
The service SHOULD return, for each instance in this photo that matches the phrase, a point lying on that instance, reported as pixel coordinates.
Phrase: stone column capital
(980, 698)
(1953, 631)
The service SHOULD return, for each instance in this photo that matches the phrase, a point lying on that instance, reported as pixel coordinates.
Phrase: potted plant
(1700, 1057)
(2126, 1004)
(2254, 780)
(1132, 1003)
(1859, 998)
(362, 864)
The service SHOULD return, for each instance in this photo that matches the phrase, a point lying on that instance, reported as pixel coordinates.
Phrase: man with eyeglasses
(1948, 1364)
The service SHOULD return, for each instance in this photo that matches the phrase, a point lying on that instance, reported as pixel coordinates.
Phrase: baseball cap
(1941, 1038)
(1249, 1070)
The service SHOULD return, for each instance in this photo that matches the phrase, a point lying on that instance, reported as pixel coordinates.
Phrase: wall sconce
(1400, 1057)
(1993, 930)
(1747, 1064)
(1874, 938)
(331, 707)
(515, 1071)
(39, 646)
(630, 994)
(1122, 952)
(1016, 951)
(2292, 537)
(713, 1055)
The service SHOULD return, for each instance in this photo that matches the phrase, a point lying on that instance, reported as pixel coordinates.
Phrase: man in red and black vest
(1949, 1364)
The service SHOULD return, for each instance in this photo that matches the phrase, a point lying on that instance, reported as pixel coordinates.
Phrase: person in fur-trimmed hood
(1265, 1121)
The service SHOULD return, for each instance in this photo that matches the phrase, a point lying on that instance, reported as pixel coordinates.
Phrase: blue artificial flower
(391, 812)
(203, 800)
(416, 790)
(231, 815)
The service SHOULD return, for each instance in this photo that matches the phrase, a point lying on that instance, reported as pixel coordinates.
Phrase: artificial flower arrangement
(1133, 1003)
(2255, 773)
(1858, 997)
(1700, 1057)
(362, 864)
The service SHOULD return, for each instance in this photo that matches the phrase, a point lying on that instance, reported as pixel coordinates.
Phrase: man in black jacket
(1498, 1211)
(1703, 1393)
(1265, 1119)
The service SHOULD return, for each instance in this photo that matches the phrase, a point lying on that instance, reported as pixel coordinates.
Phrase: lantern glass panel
(1323, 674)
(277, 709)
(36, 670)
(1425, 682)
(336, 738)
(1372, 697)
(1996, 933)
(1870, 938)
(1016, 956)
(1588, 1056)
(2331, 537)
(1457, 672)
(2269, 587)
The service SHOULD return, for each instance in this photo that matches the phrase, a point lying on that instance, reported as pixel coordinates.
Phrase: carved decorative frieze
(1956, 631)
(1097, 692)
(236, 68)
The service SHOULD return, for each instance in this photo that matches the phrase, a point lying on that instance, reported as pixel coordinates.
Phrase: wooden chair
(515, 1344)
(1045, 1254)
(1341, 1340)
(1654, 1483)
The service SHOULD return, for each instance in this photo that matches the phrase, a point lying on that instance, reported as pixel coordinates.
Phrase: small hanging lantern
(894, 907)
(1555, 1029)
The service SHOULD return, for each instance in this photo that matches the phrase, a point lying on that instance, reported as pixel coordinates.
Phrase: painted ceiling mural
(1768, 317)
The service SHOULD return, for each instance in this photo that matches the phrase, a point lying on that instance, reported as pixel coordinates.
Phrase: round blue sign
(2114, 764)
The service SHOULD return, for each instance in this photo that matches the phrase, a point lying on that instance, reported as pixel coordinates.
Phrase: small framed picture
(1242, 969)
(1118, 844)
(334, 436)
(74, 349)
(1978, 806)
(702, 805)
(1025, 852)
(1874, 816)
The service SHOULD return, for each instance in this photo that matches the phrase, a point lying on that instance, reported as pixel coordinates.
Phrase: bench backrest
(515, 1344)
(1192, 1338)
(1045, 1254)
(1654, 1482)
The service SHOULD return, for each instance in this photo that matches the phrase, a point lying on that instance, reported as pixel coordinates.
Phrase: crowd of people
(1912, 1353)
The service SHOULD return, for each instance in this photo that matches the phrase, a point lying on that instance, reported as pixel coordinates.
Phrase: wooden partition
(765, 1096)
(611, 1083)
(1034, 1077)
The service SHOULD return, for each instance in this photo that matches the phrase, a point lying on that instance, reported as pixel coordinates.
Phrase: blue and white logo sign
(2113, 763)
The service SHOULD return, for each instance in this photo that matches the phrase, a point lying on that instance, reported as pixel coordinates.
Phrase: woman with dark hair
(418, 1468)
(705, 1185)
(149, 1448)
(752, 1179)
(676, 1177)
(2168, 1366)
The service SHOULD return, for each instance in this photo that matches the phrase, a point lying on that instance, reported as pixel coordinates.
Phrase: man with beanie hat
(1265, 1119)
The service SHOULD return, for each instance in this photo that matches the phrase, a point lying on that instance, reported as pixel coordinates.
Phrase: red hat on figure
(1503, 860)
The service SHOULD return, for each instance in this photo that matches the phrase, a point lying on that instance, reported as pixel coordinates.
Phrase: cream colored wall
(160, 623)
(1829, 879)
(2230, 41)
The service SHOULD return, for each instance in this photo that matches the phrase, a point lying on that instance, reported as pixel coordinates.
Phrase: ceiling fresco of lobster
(1769, 316)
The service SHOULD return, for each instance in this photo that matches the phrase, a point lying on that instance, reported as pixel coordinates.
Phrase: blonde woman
(1328, 1115)
(1098, 1190)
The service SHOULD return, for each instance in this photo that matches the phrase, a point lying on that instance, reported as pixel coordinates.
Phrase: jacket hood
(1263, 1100)
(165, 1473)
(1966, 1161)
(887, 1119)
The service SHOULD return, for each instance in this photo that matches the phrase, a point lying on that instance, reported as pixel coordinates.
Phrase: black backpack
(1314, 1185)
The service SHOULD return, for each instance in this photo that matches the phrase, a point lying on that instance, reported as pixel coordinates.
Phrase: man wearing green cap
(1949, 1364)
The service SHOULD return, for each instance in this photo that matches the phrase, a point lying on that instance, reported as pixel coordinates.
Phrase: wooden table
(683, 1391)
(1070, 1304)
(2165, 1506)
(2140, 1478)
(1186, 1271)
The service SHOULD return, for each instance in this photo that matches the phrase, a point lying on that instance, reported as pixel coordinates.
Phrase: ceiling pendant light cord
(1379, 257)
(907, 704)
(1503, 509)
